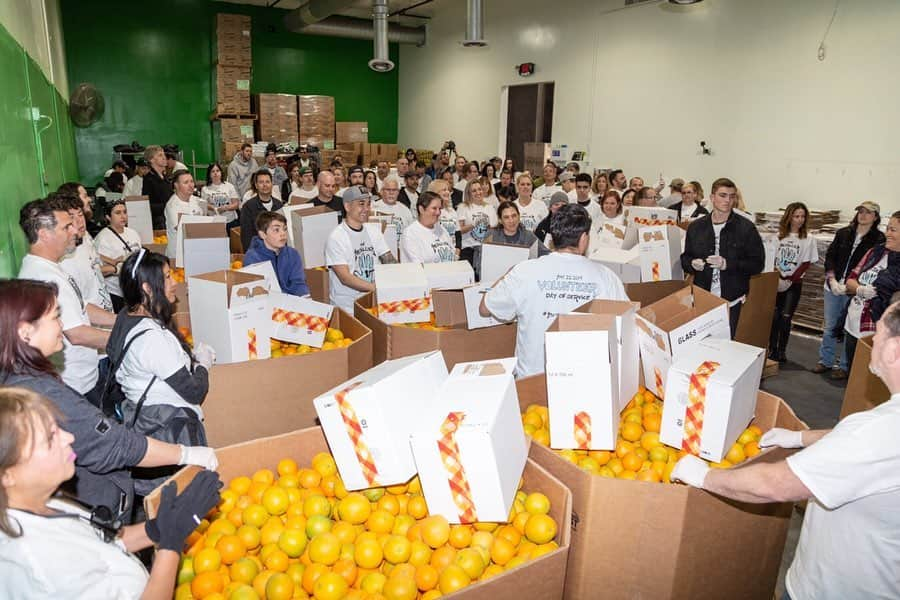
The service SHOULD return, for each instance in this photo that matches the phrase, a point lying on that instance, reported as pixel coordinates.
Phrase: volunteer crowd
(102, 395)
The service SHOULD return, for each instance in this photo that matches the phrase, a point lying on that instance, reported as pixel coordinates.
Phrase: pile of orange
(161, 239)
(334, 338)
(178, 274)
(428, 326)
(638, 453)
(186, 334)
(237, 264)
(298, 533)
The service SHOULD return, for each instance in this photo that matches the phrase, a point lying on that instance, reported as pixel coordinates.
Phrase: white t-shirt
(133, 187)
(592, 208)
(110, 246)
(535, 291)
(573, 196)
(83, 264)
(450, 220)
(850, 542)
(715, 287)
(460, 184)
(299, 192)
(159, 354)
(544, 191)
(358, 250)
(401, 216)
(482, 216)
(221, 194)
(276, 193)
(423, 245)
(79, 363)
(174, 207)
(856, 305)
(64, 557)
(530, 216)
(793, 251)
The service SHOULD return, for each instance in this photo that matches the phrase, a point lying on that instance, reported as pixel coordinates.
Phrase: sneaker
(839, 374)
(820, 368)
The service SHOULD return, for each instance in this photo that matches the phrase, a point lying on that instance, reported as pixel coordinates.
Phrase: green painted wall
(155, 73)
(36, 156)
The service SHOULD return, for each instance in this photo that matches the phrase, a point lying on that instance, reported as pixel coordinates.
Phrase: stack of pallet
(316, 121)
(231, 99)
(277, 118)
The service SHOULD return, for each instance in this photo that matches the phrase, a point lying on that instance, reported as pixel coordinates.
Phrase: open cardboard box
(205, 248)
(139, 217)
(540, 579)
(259, 398)
(460, 307)
(864, 389)
(317, 281)
(457, 344)
(635, 539)
(756, 315)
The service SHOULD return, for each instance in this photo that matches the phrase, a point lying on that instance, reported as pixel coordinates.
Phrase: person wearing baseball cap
(352, 249)
(567, 183)
(542, 231)
(356, 175)
(845, 252)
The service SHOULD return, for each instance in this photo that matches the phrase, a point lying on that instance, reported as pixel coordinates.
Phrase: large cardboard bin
(317, 281)
(635, 539)
(540, 579)
(457, 344)
(864, 389)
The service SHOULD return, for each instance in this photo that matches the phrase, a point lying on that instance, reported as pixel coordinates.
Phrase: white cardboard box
(643, 216)
(730, 401)
(229, 310)
(472, 296)
(449, 275)
(491, 443)
(265, 269)
(667, 327)
(288, 209)
(624, 263)
(139, 217)
(184, 219)
(399, 283)
(298, 320)
(388, 231)
(659, 251)
(498, 258)
(582, 381)
(206, 248)
(383, 407)
(310, 228)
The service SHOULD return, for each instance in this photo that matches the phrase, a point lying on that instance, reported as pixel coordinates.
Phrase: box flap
(484, 368)
(582, 322)
(204, 230)
(137, 198)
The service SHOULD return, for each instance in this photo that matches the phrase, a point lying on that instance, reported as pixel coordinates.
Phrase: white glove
(200, 456)
(784, 285)
(716, 262)
(205, 355)
(866, 292)
(837, 288)
(690, 470)
(781, 438)
(698, 264)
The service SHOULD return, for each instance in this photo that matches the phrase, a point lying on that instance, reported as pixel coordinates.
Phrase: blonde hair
(526, 175)
(467, 195)
(487, 185)
(437, 186)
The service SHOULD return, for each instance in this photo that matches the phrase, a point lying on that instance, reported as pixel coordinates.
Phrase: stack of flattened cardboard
(277, 117)
(316, 121)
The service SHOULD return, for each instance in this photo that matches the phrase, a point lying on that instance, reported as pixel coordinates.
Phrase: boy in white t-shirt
(351, 251)
(534, 292)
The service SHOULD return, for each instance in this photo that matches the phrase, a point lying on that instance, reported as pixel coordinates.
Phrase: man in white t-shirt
(401, 216)
(534, 292)
(351, 251)
(51, 234)
(618, 182)
(382, 170)
(850, 542)
(135, 185)
(550, 186)
(583, 197)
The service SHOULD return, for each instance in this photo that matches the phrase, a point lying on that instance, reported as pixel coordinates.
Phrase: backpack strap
(140, 403)
(114, 367)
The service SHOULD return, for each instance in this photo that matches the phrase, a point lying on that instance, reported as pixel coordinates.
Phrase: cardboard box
(609, 236)
(864, 389)
(349, 132)
(457, 344)
(184, 219)
(277, 120)
(232, 40)
(582, 370)
(205, 248)
(671, 325)
(298, 320)
(703, 546)
(309, 228)
(368, 420)
(659, 252)
(497, 258)
(229, 311)
(402, 293)
(316, 120)
(232, 90)
(454, 307)
(647, 216)
(317, 281)
(227, 150)
(449, 275)
(478, 401)
(540, 579)
(758, 309)
(265, 269)
(653, 291)
(234, 131)
(383, 223)
(234, 241)
(140, 218)
(624, 263)
(730, 399)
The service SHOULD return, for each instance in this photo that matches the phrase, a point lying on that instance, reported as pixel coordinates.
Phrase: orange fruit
(650, 440)
(397, 549)
(632, 462)
(311, 574)
(537, 503)
(207, 560)
(540, 529)
(373, 583)
(368, 554)
(453, 578)
(460, 536)
(471, 562)
(380, 521)
(755, 430)
(316, 505)
(502, 550)
(751, 449)
(735, 454)
(276, 500)
(346, 568)
(324, 464)
(354, 508)
(649, 475)
(277, 561)
(206, 584)
(389, 503)
(325, 548)
(631, 431)
(627, 474)
(230, 548)
(244, 570)
(260, 581)
(286, 466)
(309, 478)
(292, 542)
(443, 556)
(265, 476)
(426, 578)
(317, 524)
(242, 591)
(623, 448)
(330, 586)
(400, 588)
(280, 586)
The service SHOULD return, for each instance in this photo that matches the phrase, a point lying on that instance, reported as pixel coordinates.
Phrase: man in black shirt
(155, 185)
(263, 200)
(327, 196)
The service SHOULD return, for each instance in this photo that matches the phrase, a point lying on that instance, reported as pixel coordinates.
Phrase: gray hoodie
(240, 171)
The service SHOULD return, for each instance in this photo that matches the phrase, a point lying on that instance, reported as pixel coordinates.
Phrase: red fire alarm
(525, 69)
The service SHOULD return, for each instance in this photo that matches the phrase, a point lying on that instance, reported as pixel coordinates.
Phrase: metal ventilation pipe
(381, 62)
(474, 24)
(313, 12)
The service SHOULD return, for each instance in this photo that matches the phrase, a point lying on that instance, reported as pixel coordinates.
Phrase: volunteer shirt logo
(364, 258)
(443, 251)
(481, 224)
(788, 256)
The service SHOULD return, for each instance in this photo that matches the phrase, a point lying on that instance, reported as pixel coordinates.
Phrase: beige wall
(35, 24)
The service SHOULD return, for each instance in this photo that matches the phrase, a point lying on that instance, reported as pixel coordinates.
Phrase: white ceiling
(361, 9)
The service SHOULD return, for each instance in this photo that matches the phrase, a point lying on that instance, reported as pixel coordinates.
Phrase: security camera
(704, 149)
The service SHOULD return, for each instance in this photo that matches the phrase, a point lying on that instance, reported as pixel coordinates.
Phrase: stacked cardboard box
(227, 150)
(277, 117)
(232, 90)
(316, 116)
(350, 132)
(864, 389)
(232, 45)
(235, 131)
(348, 157)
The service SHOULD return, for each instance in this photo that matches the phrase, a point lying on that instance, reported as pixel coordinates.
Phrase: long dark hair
(23, 301)
(148, 269)
(209, 172)
(784, 226)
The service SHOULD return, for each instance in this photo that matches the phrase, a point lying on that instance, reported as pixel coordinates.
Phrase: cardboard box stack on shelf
(232, 34)
(316, 121)
(351, 132)
(232, 90)
(277, 118)
(231, 133)
(232, 57)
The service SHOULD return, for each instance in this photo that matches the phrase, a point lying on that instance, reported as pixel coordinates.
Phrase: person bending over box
(270, 244)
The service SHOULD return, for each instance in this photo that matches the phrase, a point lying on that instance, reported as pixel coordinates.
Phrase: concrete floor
(816, 399)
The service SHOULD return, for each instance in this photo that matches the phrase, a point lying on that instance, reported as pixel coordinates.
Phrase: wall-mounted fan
(86, 105)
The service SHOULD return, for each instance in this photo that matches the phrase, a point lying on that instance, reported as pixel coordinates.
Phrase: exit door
(529, 118)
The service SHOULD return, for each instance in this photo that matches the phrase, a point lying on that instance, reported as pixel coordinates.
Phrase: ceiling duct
(380, 62)
(313, 19)
(314, 11)
(474, 24)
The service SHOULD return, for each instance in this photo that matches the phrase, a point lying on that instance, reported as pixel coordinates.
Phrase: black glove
(179, 515)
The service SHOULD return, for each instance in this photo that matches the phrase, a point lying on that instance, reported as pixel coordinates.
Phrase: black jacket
(543, 228)
(698, 212)
(249, 212)
(159, 190)
(403, 198)
(841, 258)
(336, 204)
(740, 246)
(456, 198)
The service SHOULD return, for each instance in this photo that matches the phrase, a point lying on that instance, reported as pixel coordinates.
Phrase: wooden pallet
(214, 116)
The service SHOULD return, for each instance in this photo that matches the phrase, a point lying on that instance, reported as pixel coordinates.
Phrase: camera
(449, 145)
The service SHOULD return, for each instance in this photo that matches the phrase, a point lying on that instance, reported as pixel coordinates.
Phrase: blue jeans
(835, 306)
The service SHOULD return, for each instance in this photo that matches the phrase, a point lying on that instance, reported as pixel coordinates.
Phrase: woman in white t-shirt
(608, 229)
(599, 187)
(531, 211)
(182, 202)
(221, 197)
(51, 547)
(163, 380)
(426, 240)
(449, 217)
(796, 251)
(489, 195)
(476, 217)
(115, 243)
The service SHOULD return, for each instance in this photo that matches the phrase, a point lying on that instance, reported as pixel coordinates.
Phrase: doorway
(529, 118)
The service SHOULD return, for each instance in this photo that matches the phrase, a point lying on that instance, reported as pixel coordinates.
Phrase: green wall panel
(155, 74)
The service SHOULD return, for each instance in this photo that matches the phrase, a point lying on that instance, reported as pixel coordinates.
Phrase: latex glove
(698, 264)
(866, 292)
(781, 438)
(784, 285)
(690, 470)
(837, 288)
(200, 456)
(716, 262)
(180, 514)
(205, 355)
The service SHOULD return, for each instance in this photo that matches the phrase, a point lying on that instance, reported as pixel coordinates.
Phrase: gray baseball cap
(356, 192)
